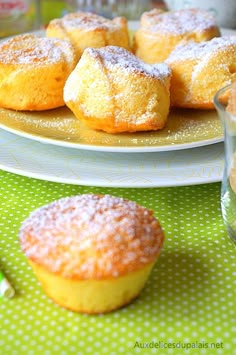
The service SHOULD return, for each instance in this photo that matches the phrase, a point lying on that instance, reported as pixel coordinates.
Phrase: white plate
(81, 167)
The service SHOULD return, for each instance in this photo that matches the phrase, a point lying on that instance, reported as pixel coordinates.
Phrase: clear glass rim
(220, 92)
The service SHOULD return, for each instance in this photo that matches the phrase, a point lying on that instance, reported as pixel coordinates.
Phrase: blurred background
(19, 16)
(131, 9)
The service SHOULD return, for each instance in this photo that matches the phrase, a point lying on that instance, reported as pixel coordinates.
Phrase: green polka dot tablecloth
(187, 306)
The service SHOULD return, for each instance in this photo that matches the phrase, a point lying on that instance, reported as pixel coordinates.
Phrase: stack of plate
(188, 151)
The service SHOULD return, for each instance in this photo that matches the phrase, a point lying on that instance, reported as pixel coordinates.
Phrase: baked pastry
(85, 30)
(33, 72)
(112, 90)
(92, 253)
(199, 70)
(160, 32)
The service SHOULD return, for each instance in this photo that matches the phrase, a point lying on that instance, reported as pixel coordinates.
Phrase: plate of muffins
(90, 83)
(85, 83)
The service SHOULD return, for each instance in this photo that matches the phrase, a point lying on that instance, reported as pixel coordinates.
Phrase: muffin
(33, 71)
(112, 90)
(92, 253)
(199, 70)
(160, 32)
(84, 29)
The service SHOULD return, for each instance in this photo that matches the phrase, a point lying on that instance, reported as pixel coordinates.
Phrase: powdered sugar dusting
(29, 49)
(91, 236)
(201, 50)
(178, 22)
(87, 22)
(113, 56)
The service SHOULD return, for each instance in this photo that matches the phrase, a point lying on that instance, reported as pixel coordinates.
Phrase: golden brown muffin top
(114, 56)
(91, 237)
(202, 50)
(177, 22)
(87, 21)
(28, 49)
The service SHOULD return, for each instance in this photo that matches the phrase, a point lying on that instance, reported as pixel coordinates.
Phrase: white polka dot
(189, 296)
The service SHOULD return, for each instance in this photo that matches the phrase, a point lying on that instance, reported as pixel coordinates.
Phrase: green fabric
(189, 300)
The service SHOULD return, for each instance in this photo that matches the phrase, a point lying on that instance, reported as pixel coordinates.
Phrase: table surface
(187, 306)
(188, 302)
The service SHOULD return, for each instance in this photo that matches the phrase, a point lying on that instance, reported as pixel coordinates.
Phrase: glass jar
(132, 9)
(228, 186)
(18, 16)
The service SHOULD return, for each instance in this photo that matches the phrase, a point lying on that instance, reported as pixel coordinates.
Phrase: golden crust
(91, 237)
(33, 72)
(92, 296)
(160, 32)
(199, 70)
(112, 90)
(85, 30)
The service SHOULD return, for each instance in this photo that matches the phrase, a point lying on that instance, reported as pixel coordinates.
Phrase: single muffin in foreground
(33, 71)
(85, 29)
(92, 253)
(160, 32)
(112, 90)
